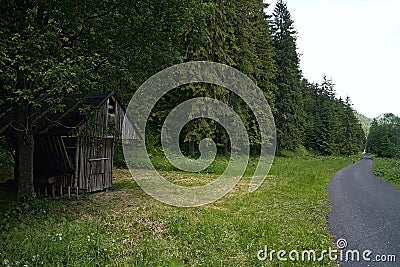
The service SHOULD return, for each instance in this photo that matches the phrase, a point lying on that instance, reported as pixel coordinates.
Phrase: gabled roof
(47, 121)
(72, 116)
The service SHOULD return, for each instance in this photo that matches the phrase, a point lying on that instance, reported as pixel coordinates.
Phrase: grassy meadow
(388, 169)
(126, 227)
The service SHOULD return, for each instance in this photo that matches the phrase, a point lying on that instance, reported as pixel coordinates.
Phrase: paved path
(365, 212)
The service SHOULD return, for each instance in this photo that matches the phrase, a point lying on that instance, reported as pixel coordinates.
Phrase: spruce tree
(384, 136)
(332, 127)
(289, 115)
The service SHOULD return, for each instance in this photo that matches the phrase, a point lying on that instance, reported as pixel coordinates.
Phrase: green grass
(126, 227)
(299, 152)
(388, 169)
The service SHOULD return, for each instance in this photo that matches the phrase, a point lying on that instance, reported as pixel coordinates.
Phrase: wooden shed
(74, 149)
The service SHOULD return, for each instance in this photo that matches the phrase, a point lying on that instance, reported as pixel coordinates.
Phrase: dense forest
(53, 49)
(365, 122)
(384, 136)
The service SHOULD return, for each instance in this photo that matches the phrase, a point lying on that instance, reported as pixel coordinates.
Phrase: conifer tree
(332, 127)
(289, 113)
(384, 136)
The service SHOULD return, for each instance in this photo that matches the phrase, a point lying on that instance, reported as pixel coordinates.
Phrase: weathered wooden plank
(92, 160)
(77, 166)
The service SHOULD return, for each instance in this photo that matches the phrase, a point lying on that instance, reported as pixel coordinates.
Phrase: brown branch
(59, 123)
(99, 15)
(18, 130)
(101, 63)
(72, 38)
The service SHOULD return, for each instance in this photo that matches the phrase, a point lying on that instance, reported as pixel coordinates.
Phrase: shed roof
(46, 121)
(72, 116)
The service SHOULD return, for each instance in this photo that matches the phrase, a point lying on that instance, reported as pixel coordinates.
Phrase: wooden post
(77, 192)
(45, 190)
(69, 191)
(53, 190)
(76, 174)
(61, 191)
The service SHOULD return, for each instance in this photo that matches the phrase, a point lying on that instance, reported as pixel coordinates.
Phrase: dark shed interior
(74, 149)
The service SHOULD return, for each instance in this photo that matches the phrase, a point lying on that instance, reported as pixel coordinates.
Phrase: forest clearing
(196, 132)
(126, 227)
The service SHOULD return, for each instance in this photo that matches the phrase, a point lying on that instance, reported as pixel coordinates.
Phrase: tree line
(57, 48)
(384, 136)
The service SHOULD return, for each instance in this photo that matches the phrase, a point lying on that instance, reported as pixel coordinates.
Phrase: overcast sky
(357, 44)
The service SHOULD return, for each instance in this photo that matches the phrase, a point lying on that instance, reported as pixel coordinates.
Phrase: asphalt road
(366, 213)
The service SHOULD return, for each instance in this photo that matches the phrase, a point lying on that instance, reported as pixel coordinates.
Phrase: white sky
(354, 42)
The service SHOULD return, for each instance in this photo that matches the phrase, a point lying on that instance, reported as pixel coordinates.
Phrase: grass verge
(388, 169)
(126, 227)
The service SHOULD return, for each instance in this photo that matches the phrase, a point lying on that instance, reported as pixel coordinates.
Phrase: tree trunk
(24, 163)
(226, 149)
(191, 148)
(13, 148)
(16, 162)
